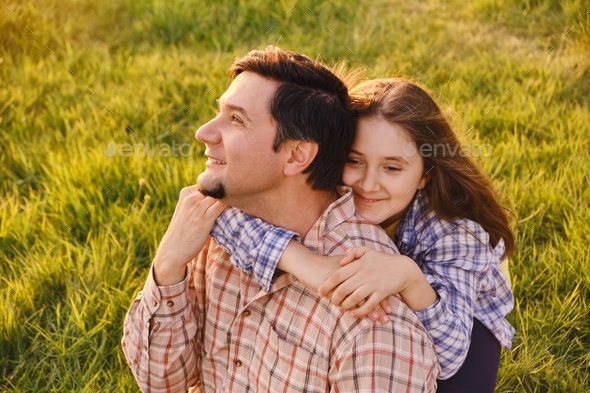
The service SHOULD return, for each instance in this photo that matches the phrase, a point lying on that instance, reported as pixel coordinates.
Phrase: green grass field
(77, 231)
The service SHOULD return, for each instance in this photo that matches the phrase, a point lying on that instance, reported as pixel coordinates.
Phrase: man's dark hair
(311, 104)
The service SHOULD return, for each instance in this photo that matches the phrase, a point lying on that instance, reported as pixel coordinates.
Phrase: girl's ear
(300, 155)
(425, 179)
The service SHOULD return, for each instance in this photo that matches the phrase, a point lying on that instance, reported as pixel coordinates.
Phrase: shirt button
(238, 363)
(247, 313)
(155, 303)
(170, 303)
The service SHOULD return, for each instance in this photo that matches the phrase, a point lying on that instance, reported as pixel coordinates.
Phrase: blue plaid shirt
(455, 257)
(255, 245)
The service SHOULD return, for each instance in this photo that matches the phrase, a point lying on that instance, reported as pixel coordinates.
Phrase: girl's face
(384, 170)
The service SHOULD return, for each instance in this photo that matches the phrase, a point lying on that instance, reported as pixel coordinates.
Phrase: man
(276, 150)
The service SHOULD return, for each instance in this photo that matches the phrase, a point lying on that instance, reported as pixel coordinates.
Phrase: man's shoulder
(331, 332)
(403, 331)
(360, 232)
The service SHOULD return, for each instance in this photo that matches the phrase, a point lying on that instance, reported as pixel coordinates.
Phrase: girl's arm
(255, 245)
(374, 276)
(260, 248)
(455, 267)
(459, 266)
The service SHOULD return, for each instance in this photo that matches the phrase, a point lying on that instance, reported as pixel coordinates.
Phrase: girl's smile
(383, 178)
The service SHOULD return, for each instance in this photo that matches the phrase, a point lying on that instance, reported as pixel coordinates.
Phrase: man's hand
(186, 235)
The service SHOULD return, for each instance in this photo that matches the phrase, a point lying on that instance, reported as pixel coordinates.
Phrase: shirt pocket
(280, 366)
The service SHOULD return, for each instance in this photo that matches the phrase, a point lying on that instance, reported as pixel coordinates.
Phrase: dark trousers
(478, 373)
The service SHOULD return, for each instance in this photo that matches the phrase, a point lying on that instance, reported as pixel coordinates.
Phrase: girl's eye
(392, 168)
(353, 161)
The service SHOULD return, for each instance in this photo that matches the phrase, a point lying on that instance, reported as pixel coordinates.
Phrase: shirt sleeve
(165, 357)
(255, 246)
(455, 267)
(395, 357)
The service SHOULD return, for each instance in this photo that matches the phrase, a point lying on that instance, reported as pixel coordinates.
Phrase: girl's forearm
(417, 294)
(310, 268)
(295, 257)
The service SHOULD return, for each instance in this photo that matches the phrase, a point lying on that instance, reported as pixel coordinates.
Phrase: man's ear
(300, 155)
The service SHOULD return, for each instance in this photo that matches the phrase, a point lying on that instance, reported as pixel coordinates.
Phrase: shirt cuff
(434, 315)
(268, 258)
(167, 302)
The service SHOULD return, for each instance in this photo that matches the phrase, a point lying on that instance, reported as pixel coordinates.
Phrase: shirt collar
(406, 231)
(339, 211)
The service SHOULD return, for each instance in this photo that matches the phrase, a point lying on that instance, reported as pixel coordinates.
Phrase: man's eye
(237, 119)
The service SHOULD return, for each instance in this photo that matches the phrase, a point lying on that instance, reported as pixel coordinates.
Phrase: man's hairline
(268, 108)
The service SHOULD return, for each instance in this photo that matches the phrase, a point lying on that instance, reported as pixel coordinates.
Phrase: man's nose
(209, 133)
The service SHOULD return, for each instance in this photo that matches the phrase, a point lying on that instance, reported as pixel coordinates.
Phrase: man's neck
(297, 210)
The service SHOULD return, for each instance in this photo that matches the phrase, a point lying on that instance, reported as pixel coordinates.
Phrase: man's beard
(217, 192)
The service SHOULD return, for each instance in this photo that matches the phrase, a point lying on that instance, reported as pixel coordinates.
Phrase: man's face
(240, 160)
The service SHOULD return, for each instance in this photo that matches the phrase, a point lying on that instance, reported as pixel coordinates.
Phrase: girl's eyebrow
(392, 158)
(397, 158)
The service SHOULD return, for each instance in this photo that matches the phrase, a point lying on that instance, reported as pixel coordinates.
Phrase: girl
(409, 176)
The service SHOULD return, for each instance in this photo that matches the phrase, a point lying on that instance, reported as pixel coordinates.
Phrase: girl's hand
(312, 270)
(370, 275)
(186, 235)
(379, 313)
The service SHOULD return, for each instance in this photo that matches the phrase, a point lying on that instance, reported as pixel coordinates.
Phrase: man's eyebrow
(235, 108)
(391, 158)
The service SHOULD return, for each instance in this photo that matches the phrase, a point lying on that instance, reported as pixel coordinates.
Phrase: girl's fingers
(381, 313)
(355, 297)
(370, 307)
(353, 254)
(386, 305)
(213, 207)
(371, 316)
(335, 281)
(354, 312)
(194, 189)
(344, 291)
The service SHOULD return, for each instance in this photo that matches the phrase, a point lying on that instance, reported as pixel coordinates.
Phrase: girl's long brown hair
(457, 188)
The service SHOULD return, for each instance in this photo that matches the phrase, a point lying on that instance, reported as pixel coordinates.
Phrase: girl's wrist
(418, 294)
(286, 262)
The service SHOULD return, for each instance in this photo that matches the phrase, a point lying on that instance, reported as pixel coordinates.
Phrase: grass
(77, 231)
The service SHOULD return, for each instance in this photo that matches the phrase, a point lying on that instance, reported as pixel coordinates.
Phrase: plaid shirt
(218, 330)
(455, 257)
(464, 270)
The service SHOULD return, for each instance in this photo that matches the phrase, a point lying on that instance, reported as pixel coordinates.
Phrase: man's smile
(214, 161)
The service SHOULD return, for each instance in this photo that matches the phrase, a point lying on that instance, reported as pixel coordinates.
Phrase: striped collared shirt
(218, 330)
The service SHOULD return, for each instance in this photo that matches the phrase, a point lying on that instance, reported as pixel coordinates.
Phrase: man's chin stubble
(217, 192)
